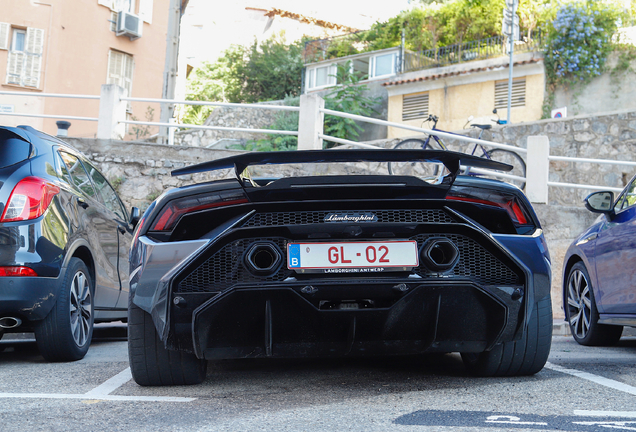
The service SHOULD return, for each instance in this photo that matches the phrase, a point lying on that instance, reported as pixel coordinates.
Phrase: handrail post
(112, 110)
(310, 122)
(538, 169)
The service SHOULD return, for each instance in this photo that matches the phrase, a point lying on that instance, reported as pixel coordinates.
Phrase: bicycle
(431, 170)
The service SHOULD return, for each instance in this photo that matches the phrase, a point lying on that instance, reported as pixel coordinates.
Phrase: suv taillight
(15, 271)
(29, 199)
(172, 212)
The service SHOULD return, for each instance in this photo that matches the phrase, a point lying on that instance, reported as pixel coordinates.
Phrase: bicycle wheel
(511, 158)
(424, 170)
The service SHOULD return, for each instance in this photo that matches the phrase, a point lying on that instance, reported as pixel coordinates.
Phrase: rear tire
(66, 332)
(526, 356)
(151, 363)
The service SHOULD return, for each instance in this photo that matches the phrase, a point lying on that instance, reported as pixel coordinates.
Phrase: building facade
(471, 89)
(73, 47)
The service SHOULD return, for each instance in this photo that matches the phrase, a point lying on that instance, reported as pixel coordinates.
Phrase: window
(25, 57)
(120, 70)
(383, 65)
(518, 94)
(415, 106)
(78, 174)
(322, 76)
(119, 5)
(628, 199)
(18, 40)
(106, 192)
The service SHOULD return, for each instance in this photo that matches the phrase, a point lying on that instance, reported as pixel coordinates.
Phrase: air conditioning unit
(128, 25)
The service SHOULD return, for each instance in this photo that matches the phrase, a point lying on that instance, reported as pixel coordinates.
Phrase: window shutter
(114, 67)
(4, 35)
(518, 98)
(145, 10)
(33, 57)
(120, 70)
(108, 3)
(14, 67)
(415, 107)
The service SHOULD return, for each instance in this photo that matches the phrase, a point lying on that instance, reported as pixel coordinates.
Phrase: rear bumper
(30, 298)
(206, 302)
(285, 322)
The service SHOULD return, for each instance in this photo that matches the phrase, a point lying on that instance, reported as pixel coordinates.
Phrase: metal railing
(535, 177)
(468, 51)
(51, 95)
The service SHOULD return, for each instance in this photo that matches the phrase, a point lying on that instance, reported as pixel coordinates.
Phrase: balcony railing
(474, 50)
(354, 43)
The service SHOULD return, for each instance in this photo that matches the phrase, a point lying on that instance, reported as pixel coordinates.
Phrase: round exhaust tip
(10, 322)
(439, 254)
(263, 258)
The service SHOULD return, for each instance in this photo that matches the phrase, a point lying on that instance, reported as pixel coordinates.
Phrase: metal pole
(512, 45)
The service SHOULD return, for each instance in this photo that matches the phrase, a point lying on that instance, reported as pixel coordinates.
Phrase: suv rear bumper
(30, 298)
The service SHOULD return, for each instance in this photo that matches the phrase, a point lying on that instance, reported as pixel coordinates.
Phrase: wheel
(582, 313)
(65, 333)
(511, 158)
(526, 356)
(151, 363)
(425, 170)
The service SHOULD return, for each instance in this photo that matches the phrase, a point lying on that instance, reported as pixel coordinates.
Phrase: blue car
(599, 272)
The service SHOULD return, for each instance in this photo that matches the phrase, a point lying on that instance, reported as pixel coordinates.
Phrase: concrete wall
(608, 92)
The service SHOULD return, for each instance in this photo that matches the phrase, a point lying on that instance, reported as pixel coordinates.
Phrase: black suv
(64, 240)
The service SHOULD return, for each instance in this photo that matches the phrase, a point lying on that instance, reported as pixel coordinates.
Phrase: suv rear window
(13, 150)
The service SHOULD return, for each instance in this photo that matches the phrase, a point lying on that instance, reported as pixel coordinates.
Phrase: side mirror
(600, 202)
(134, 216)
(494, 111)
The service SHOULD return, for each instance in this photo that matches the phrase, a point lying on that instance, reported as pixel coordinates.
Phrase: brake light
(507, 202)
(172, 212)
(14, 271)
(29, 199)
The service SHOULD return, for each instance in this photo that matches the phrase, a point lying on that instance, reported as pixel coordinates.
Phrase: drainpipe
(170, 68)
(48, 41)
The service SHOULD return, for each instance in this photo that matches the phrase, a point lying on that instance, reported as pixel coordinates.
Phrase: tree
(347, 97)
(271, 70)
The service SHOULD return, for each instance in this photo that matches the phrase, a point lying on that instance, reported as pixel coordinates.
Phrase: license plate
(353, 257)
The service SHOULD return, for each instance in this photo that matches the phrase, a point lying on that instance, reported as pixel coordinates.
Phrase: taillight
(29, 199)
(172, 212)
(14, 271)
(508, 202)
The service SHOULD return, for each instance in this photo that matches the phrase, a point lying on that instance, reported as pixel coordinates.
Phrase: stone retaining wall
(239, 117)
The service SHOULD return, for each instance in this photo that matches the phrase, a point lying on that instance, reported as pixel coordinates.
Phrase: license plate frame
(352, 256)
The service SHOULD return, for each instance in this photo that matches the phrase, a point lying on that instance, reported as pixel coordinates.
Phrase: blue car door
(615, 256)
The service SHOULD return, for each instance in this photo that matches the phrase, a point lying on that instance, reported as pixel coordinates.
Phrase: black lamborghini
(339, 265)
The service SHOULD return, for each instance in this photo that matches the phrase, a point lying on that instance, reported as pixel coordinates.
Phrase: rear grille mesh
(225, 268)
(474, 262)
(317, 217)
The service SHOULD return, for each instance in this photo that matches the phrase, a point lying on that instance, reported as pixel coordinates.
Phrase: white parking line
(616, 385)
(101, 398)
(112, 384)
(101, 392)
(590, 413)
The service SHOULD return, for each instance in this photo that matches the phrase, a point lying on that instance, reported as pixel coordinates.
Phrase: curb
(561, 328)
